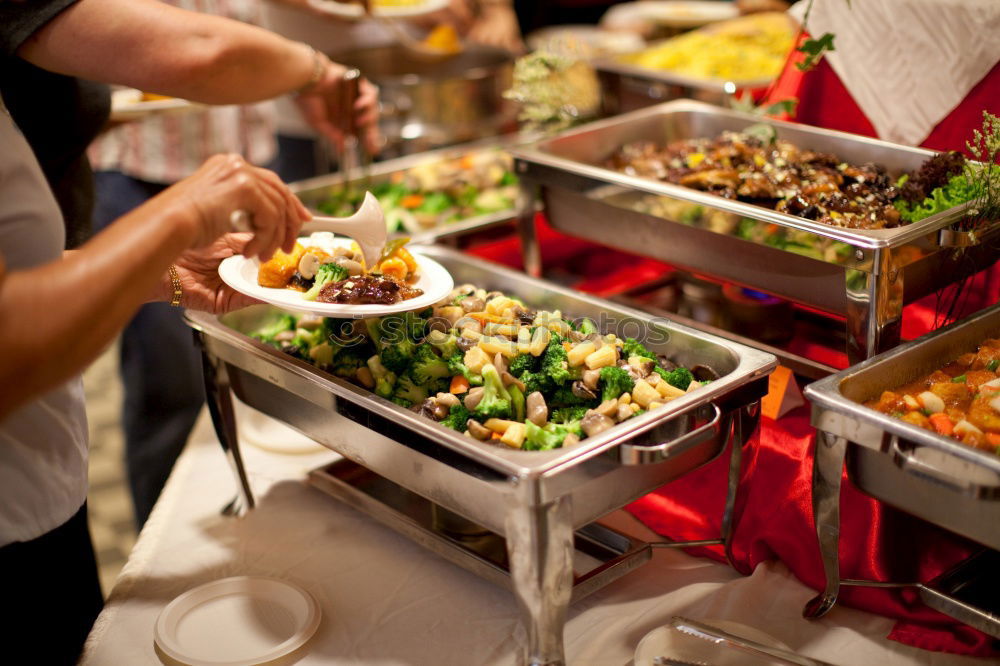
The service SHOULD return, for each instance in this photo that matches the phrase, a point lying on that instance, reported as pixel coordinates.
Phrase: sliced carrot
(993, 439)
(411, 200)
(495, 435)
(467, 161)
(459, 384)
(942, 423)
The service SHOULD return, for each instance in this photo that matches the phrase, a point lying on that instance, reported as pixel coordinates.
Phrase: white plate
(667, 642)
(240, 273)
(355, 11)
(236, 621)
(127, 104)
(672, 13)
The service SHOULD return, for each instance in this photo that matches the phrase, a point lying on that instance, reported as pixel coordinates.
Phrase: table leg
(540, 551)
(828, 468)
(219, 397)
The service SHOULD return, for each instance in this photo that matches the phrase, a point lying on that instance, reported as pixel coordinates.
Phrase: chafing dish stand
(543, 503)
(925, 474)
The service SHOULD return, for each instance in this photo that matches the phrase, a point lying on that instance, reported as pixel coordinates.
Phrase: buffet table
(386, 600)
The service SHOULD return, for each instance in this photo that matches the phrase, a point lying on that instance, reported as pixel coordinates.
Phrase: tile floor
(109, 505)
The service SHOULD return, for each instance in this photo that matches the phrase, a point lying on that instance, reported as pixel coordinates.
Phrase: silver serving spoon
(366, 227)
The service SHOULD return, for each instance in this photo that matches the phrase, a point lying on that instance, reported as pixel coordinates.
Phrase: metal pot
(431, 102)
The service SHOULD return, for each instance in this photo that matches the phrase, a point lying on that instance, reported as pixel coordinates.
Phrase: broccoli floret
(415, 323)
(456, 366)
(679, 377)
(427, 366)
(523, 363)
(550, 437)
(407, 389)
(586, 327)
(567, 415)
(614, 382)
(325, 274)
(632, 347)
(554, 362)
(348, 360)
(516, 402)
(385, 380)
(457, 417)
(495, 403)
(391, 343)
(266, 334)
(446, 344)
(402, 402)
(564, 397)
(536, 381)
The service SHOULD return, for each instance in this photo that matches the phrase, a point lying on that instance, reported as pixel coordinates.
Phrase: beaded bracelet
(175, 285)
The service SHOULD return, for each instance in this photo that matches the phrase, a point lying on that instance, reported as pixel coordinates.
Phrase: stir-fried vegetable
(483, 364)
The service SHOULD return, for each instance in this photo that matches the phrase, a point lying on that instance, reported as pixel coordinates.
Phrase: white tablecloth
(387, 601)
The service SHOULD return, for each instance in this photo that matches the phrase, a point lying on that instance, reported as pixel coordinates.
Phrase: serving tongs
(725, 639)
(366, 227)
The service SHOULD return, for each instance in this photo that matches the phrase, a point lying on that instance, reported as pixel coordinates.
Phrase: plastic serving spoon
(366, 227)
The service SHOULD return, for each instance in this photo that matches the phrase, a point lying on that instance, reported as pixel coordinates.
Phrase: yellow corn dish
(745, 49)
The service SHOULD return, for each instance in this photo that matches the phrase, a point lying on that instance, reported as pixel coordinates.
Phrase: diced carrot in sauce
(942, 424)
(404, 254)
(394, 267)
(411, 200)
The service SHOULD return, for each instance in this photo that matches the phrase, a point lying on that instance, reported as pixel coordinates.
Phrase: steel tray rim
(534, 152)
(825, 393)
(751, 365)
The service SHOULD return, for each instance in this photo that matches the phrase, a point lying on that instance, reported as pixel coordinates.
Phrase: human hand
(328, 108)
(497, 25)
(203, 204)
(198, 271)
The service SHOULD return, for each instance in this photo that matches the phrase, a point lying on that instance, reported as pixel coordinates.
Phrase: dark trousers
(51, 595)
(160, 367)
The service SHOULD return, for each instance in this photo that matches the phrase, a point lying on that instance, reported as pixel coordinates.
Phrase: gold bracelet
(175, 284)
(320, 62)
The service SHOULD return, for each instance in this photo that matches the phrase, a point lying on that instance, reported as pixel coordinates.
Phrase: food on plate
(328, 272)
(437, 192)
(961, 400)
(749, 48)
(443, 38)
(487, 365)
(154, 97)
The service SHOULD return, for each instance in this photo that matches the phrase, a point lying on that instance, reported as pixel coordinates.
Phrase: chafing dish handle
(917, 468)
(635, 454)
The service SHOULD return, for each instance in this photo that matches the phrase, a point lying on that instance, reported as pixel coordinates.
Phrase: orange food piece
(278, 270)
(459, 384)
(394, 267)
(942, 423)
(411, 200)
(993, 439)
(404, 254)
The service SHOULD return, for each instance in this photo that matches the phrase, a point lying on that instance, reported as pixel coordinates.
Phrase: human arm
(57, 317)
(152, 46)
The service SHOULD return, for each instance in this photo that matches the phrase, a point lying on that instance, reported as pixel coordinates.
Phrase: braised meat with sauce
(779, 175)
(371, 289)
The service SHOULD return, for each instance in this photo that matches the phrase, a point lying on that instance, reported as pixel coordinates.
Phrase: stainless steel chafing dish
(313, 191)
(540, 502)
(926, 474)
(865, 275)
(627, 87)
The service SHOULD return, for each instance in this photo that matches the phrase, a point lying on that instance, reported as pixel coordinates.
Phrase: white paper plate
(240, 273)
(668, 642)
(127, 104)
(355, 11)
(236, 621)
